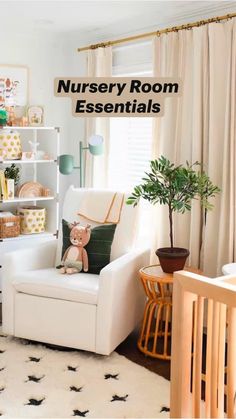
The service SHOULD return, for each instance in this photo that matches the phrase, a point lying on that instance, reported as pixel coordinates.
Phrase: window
(131, 147)
(130, 151)
(130, 138)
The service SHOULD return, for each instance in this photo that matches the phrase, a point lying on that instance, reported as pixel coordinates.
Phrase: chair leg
(150, 317)
(158, 316)
(142, 334)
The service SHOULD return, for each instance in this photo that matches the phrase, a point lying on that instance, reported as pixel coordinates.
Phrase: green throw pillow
(98, 247)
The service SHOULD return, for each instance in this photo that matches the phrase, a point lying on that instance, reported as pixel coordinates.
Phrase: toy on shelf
(27, 155)
(46, 157)
(37, 154)
(3, 117)
(13, 120)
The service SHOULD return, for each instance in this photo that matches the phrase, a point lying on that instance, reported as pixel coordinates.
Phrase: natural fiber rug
(40, 382)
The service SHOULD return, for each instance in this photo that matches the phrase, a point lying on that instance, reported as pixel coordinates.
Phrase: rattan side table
(156, 326)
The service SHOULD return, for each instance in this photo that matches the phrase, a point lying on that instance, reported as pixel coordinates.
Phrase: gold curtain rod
(158, 33)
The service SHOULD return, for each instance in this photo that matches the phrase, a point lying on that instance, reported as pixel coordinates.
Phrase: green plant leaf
(175, 186)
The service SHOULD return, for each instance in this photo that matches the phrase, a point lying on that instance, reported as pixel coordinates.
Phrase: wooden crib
(209, 305)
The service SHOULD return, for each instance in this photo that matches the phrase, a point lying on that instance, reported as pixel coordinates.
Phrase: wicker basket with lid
(9, 225)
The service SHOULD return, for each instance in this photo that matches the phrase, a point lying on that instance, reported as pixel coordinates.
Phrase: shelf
(27, 161)
(40, 198)
(45, 235)
(30, 128)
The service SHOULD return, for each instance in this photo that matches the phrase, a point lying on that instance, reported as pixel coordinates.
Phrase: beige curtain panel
(96, 173)
(201, 125)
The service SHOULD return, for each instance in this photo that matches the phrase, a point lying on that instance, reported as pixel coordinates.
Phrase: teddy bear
(75, 258)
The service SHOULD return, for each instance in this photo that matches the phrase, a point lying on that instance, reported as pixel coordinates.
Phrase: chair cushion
(98, 248)
(125, 230)
(50, 283)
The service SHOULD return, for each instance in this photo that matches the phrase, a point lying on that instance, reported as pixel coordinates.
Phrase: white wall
(47, 56)
(51, 55)
(43, 55)
(77, 68)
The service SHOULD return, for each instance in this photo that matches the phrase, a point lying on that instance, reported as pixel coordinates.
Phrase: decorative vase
(172, 259)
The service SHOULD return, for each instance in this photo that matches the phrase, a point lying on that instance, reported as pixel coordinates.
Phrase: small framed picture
(35, 116)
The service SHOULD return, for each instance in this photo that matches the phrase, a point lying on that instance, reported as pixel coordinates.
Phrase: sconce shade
(95, 144)
(66, 164)
(66, 161)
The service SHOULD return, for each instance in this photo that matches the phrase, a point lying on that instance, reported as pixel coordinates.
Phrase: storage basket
(10, 144)
(32, 219)
(9, 225)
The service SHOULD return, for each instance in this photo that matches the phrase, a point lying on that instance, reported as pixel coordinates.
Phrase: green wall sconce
(66, 161)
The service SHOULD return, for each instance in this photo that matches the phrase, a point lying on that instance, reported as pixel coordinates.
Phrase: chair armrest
(120, 299)
(124, 262)
(39, 257)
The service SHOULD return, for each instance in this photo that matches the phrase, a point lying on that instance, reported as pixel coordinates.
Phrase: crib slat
(221, 359)
(231, 363)
(215, 358)
(208, 360)
(197, 356)
(180, 396)
(221, 296)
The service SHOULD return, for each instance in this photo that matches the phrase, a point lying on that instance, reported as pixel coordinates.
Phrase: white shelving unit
(7, 162)
(44, 171)
(18, 200)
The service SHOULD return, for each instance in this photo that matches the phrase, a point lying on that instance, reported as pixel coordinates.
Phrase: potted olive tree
(175, 187)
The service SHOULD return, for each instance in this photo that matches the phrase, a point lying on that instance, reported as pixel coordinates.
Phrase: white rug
(38, 382)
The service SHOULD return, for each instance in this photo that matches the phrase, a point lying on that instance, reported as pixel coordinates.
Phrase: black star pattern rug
(37, 381)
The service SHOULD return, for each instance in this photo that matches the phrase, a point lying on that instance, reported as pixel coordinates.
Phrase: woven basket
(9, 226)
(32, 219)
(10, 143)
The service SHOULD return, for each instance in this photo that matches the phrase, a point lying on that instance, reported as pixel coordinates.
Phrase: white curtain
(96, 168)
(200, 126)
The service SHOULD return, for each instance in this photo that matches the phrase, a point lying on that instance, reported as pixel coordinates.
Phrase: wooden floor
(129, 349)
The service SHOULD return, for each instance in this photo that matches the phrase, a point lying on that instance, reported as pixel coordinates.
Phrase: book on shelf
(3, 186)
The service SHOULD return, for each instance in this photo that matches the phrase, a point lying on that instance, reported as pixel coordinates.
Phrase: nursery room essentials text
(117, 96)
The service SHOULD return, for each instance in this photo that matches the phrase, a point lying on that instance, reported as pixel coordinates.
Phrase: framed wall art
(14, 88)
(35, 116)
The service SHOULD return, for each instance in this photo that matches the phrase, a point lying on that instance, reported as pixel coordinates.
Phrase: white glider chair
(84, 311)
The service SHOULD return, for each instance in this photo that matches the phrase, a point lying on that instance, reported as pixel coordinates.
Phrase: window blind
(130, 151)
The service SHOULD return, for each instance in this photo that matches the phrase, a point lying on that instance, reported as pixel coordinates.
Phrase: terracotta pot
(172, 260)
